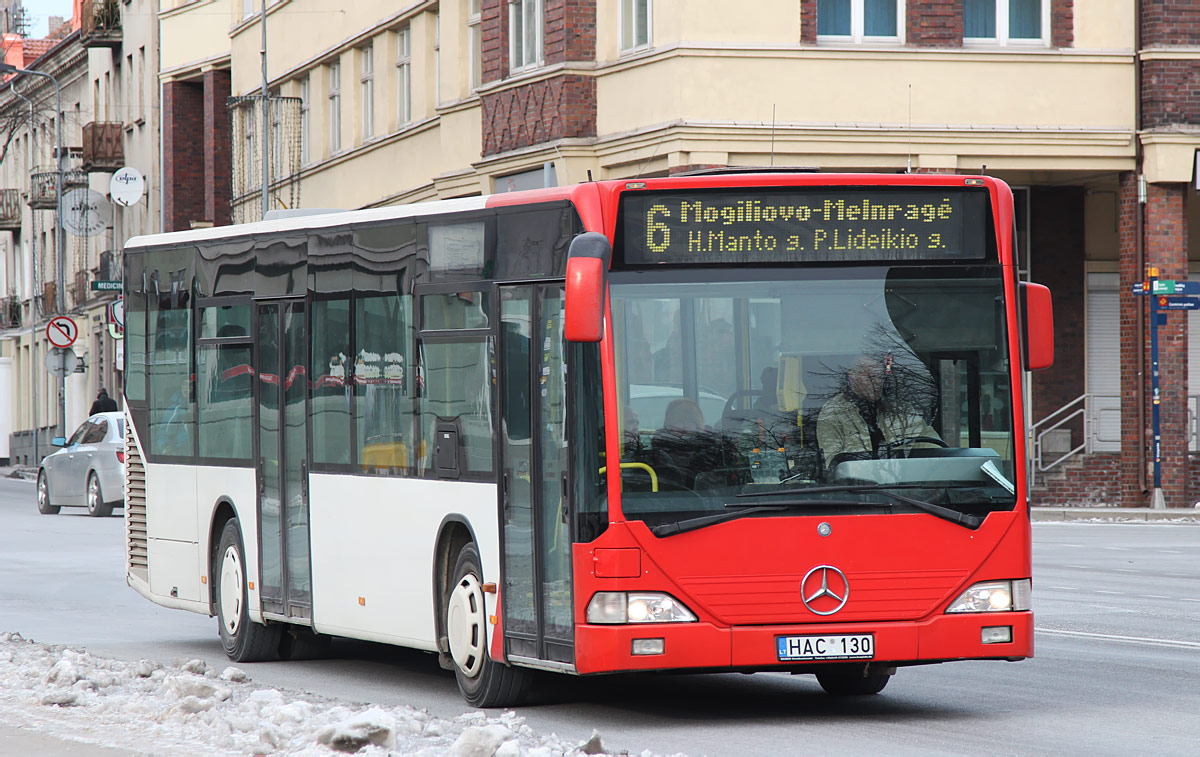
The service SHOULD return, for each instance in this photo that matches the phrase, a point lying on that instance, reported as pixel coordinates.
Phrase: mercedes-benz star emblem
(824, 590)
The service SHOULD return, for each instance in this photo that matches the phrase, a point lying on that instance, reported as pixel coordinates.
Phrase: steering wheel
(908, 441)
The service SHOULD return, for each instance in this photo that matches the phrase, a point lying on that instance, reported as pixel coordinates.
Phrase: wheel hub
(231, 591)
(465, 618)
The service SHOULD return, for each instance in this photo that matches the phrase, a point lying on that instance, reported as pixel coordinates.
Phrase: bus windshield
(856, 383)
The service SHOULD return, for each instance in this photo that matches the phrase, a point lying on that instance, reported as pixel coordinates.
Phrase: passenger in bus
(879, 403)
(680, 445)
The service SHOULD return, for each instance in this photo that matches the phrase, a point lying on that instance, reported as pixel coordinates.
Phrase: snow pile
(191, 708)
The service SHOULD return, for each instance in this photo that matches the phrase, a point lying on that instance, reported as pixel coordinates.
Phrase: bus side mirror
(587, 269)
(1038, 322)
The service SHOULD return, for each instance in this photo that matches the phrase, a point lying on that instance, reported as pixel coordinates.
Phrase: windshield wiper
(946, 513)
(742, 510)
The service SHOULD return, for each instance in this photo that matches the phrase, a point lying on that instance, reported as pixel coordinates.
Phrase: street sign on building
(106, 286)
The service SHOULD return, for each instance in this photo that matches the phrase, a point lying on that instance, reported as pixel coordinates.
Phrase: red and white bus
(752, 422)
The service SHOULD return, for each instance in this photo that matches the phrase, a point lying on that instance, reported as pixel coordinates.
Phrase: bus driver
(878, 404)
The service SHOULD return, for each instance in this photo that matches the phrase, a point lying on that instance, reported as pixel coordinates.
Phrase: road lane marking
(1189, 599)
(1065, 588)
(1122, 639)
(1106, 591)
(1127, 570)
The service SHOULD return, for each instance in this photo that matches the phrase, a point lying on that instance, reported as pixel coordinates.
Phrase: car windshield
(854, 383)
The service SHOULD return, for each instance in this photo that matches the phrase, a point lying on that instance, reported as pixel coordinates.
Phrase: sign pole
(1156, 497)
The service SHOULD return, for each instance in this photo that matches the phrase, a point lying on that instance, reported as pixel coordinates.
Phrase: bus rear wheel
(854, 680)
(482, 681)
(243, 639)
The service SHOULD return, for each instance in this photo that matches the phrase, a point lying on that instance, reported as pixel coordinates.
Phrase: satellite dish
(127, 186)
(85, 212)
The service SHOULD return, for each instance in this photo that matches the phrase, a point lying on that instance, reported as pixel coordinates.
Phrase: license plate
(840, 647)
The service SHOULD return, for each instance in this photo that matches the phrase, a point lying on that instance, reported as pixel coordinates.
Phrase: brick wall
(808, 22)
(1088, 481)
(1170, 22)
(493, 20)
(1062, 23)
(935, 23)
(218, 158)
(1170, 93)
(1057, 241)
(570, 30)
(184, 177)
(563, 106)
(1165, 235)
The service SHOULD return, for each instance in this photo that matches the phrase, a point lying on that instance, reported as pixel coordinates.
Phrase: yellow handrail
(648, 469)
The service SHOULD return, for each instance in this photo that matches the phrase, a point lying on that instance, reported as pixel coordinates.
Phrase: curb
(1114, 515)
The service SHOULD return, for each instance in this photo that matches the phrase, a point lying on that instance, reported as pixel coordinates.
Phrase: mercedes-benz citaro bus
(736, 422)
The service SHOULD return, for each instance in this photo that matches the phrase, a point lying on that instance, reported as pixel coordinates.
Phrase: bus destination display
(829, 225)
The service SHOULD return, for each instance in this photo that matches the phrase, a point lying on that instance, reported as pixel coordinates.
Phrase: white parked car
(89, 469)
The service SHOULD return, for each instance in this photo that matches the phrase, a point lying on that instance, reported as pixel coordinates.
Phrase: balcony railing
(101, 23)
(10, 209)
(103, 146)
(10, 313)
(41, 186)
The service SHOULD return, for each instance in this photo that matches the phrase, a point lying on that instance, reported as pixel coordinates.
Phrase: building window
(1005, 21)
(525, 33)
(368, 91)
(475, 30)
(404, 75)
(635, 24)
(859, 20)
(335, 106)
(304, 122)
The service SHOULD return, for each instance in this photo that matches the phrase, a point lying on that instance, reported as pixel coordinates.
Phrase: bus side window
(332, 381)
(383, 401)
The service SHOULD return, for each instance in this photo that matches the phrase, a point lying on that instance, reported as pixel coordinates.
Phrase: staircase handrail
(1046, 427)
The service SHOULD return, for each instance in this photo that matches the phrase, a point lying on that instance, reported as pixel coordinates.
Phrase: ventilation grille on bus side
(135, 507)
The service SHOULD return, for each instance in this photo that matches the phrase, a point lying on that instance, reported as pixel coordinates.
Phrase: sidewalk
(20, 471)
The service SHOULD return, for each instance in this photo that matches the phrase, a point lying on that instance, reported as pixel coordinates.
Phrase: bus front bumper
(704, 646)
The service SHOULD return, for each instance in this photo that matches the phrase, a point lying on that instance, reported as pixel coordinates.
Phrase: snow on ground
(190, 708)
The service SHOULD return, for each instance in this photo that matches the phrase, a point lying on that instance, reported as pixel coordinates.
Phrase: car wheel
(243, 639)
(96, 506)
(854, 680)
(43, 496)
(482, 681)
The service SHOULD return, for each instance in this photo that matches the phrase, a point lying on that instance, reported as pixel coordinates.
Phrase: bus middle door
(282, 460)
(536, 600)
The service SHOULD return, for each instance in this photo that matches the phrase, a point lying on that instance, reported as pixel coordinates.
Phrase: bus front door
(536, 598)
(285, 575)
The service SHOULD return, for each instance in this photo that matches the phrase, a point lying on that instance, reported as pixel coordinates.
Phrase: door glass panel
(516, 438)
(295, 485)
(269, 452)
(552, 428)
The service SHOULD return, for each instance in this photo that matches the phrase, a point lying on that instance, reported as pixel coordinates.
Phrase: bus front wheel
(482, 681)
(243, 639)
(854, 680)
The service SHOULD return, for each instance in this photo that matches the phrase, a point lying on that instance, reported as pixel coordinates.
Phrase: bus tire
(43, 496)
(243, 639)
(854, 680)
(482, 681)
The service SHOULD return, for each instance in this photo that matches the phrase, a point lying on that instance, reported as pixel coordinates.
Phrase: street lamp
(59, 234)
(32, 300)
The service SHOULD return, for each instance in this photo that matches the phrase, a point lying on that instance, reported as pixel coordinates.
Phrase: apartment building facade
(1086, 109)
(107, 74)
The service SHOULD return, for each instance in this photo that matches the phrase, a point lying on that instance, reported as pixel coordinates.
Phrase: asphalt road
(1116, 671)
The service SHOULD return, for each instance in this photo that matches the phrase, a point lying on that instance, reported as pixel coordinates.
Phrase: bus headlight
(618, 607)
(994, 596)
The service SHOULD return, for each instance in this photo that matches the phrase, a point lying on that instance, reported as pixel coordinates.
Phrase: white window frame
(276, 157)
(334, 69)
(1002, 38)
(475, 39)
(857, 25)
(367, 89)
(629, 9)
(404, 75)
(252, 156)
(518, 13)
